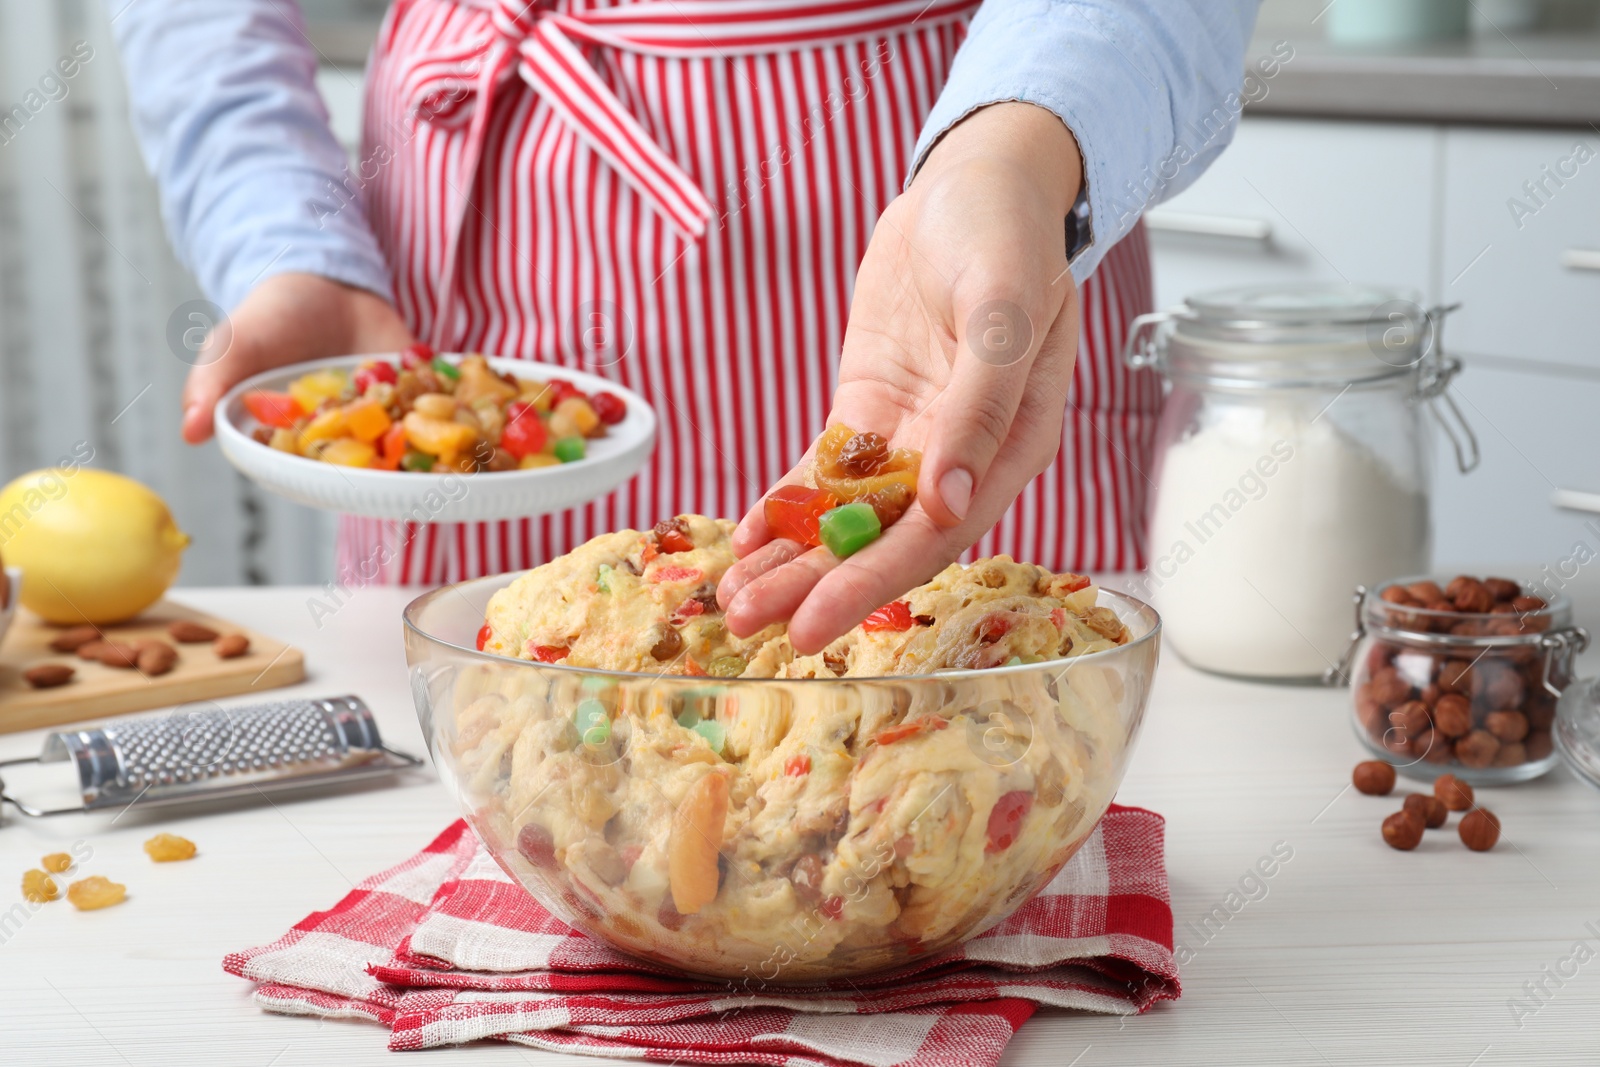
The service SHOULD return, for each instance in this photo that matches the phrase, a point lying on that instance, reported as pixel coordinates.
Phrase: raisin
(669, 915)
(864, 454)
(537, 846)
(56, 862)
(95, 892)
(165, 848)
(806, 877)
(890, 502)
(669, 645)
(38, 887)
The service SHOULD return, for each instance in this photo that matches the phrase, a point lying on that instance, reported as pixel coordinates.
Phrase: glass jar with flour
(1292, 464)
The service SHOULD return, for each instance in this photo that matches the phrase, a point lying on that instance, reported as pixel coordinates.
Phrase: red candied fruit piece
(1005, 819)
(370, 374)
(676, 574)
(833, 907)
(611, 408)
(797, 766)
(483, 636)
(549, 653)
(794, 512)
(892, 618)
(536, 845)
(417, 355)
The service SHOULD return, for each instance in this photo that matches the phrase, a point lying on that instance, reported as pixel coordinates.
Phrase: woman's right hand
(289, 318)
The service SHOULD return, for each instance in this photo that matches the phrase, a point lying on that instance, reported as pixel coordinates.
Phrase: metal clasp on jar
(1436, 371)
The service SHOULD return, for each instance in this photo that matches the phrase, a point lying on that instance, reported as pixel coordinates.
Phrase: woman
(678, 193)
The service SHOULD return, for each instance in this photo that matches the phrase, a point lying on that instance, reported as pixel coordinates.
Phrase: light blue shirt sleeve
(228, 118)
(1151, 89)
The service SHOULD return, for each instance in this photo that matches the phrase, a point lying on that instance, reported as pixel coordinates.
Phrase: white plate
(611, 460)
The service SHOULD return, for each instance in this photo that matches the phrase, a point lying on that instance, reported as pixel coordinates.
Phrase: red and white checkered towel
(445, 948)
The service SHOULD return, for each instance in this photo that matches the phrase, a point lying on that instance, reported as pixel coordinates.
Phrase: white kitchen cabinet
(1294, 200)
(1520, 243)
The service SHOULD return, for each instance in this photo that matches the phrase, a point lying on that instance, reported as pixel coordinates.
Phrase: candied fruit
(38, 887)
(849, 528)
(861, 467)
(793, 511)
(165, 848)
(56, 862)
(94, 892)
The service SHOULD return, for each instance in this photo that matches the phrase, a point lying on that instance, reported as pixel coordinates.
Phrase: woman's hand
(289, 318)
(962, 336)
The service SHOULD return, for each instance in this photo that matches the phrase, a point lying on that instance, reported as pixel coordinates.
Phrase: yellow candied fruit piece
(366, 420)
(310, 390)
(94, 892)
(325, 427)
(437, 437)
(167, 848)
(538, 459)
(348, 452)
(56, 862)
(579, 413)
(38, 887)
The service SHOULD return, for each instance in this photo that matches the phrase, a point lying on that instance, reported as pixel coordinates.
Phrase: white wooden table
(1356, 954)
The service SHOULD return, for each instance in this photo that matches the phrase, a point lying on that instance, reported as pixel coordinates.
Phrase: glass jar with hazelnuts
(1460, 675)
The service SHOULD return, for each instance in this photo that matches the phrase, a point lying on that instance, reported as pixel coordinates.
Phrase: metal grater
(219, 752)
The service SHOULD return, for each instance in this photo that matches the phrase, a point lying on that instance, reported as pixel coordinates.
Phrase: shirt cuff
(1053, 55)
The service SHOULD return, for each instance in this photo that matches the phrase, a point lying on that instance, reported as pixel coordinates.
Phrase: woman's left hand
(962, 336)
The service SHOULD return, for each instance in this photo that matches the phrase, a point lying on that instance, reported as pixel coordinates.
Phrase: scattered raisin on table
(95, 892)
(166, 848)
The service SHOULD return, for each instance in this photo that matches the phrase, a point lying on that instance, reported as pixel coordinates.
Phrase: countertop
(1546, 79)
(1355, 954)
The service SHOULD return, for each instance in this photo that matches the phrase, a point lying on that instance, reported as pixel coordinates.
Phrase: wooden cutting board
(99, 692)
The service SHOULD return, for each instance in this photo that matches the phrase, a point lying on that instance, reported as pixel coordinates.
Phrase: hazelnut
(1403, 830)
(1525, 604)
(1389, 687)
(1410, 718)
(1455, 676)
(1425, 592)
(1479, 829)
(1438, 747)
(1379, 656)
(1507, 725)
(1456, 794)
(1539, 745)
(1373, 777)
(1474, 597)
(1397, 594)
(1430, 809)
(1452, 715)
(1511, 754)
(1456, 585)
(1496, 685)
(1540, 710)
(1502, 588)
(1477, 749)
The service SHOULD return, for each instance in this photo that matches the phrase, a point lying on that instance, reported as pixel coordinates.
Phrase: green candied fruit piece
(603, 580)
(592, 721)
(726, 667)
(689, 718)
(849, 528)
(714, 732)
(569, 449)
(417, 461)
(446, 368)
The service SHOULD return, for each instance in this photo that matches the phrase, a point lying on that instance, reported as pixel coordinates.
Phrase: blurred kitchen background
(1391, 144)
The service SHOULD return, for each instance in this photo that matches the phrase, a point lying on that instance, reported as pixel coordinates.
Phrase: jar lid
(1577, 729)
(1297, 335)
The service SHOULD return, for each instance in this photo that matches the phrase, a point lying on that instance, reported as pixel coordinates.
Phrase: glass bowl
(847, 825)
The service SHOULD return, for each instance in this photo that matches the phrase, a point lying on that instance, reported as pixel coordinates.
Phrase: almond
(119, 654)
(48, 675)
(90, 650)
(157, 657)
(71, 640)
(186, 632)
(230, 646)
(694, 844)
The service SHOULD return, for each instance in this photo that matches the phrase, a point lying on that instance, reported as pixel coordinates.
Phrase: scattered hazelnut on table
(1403, 830)
(1456, 794)
(1430, 809)
(1479, 829)
(1373, 777)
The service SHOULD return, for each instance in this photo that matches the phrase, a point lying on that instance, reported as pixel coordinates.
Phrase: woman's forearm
(229, 120)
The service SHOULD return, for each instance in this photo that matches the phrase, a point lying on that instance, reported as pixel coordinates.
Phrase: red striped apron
(676, 194)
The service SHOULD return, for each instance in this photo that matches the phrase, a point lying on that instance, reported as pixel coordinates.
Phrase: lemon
(93, 546)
